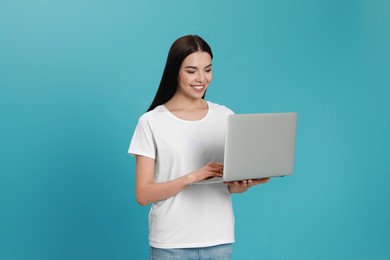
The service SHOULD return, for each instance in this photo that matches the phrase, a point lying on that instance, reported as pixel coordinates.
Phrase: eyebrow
(193, 67)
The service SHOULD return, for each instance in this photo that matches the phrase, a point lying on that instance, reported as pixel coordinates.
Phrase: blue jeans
(219, 252)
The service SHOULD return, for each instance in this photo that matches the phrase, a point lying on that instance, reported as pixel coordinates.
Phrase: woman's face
(195, 75)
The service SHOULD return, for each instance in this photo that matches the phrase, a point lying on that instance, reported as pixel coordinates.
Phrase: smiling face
(195, 75)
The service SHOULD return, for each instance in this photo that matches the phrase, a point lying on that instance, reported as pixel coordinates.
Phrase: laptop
(258, 146)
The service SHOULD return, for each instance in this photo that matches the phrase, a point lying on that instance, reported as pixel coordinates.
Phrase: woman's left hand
(242, 186)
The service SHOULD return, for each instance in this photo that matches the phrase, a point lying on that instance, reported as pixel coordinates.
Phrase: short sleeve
(142, 142)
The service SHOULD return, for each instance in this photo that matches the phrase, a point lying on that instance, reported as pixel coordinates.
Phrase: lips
(198, 87)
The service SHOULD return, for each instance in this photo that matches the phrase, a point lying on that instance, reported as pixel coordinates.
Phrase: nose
(200, 76)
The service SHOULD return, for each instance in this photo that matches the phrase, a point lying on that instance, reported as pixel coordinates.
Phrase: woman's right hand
(210, 170)
(148, 191)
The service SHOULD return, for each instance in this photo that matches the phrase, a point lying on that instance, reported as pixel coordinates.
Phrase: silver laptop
(258, 146)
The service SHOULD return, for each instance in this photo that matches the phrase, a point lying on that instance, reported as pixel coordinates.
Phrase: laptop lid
(259, 146)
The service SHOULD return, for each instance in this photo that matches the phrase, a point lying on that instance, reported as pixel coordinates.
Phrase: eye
(190, 71)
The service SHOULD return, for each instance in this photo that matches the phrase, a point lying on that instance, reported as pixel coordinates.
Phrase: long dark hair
(179, 50)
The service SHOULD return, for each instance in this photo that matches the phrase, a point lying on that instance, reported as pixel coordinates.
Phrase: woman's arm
(147, 191)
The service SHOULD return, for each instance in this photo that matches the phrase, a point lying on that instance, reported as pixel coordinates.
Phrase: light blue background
(76, 75)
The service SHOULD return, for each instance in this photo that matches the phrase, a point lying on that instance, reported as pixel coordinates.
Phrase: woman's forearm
(153, 192)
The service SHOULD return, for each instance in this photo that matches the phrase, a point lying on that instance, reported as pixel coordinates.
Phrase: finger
(216, 164)
(215, 167)
(260, 181)
(217, 172)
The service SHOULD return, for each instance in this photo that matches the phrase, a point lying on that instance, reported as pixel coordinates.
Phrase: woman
(178, 142)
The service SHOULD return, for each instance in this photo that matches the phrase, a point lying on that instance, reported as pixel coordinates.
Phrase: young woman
(180, 141)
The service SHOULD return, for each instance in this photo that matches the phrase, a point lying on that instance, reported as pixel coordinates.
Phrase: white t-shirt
(200, 215)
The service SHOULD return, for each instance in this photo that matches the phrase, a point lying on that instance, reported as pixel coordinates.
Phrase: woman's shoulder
(152, 114)
(219, 108)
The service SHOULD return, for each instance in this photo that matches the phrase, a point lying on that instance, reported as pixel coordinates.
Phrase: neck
(181, 103)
